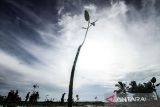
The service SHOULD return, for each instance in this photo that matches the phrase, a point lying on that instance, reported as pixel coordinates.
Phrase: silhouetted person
(34, 97)
(62, 98)
(27, 97)
(77, 96)
(10, 96)
(31, 98)
(15, 96)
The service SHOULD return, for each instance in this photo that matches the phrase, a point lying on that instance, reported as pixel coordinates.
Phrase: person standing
(62, 98)
(27, 97)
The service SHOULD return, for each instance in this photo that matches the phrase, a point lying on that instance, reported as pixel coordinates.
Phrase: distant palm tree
(148, 87)
(70, 94)
(122, 89)
(133, 87)
(140, 90)
(153, 80)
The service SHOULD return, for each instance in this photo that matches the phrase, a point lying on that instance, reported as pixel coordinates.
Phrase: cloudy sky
(39, 39)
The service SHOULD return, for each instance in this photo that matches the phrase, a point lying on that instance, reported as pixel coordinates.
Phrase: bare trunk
(70, 101)
(70, 94)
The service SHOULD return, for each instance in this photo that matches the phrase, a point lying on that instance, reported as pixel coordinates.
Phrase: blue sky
(39, 39)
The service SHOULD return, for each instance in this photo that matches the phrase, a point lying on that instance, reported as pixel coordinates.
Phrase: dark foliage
(148, 88)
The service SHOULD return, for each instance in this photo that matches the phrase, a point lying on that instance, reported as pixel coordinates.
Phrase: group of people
(32, 98)
(13, 96)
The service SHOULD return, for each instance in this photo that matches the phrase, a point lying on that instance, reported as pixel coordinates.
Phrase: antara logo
(111, 99)
(114, 98)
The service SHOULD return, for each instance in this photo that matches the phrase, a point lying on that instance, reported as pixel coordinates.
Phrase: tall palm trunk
(72, 78)
(70, 94)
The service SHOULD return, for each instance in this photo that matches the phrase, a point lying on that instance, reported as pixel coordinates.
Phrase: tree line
(136, 88)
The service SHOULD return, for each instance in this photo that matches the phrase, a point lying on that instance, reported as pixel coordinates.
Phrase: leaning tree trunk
(70, 94)
(70, 100)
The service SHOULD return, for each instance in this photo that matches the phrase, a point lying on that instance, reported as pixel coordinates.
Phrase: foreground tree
(70, 94)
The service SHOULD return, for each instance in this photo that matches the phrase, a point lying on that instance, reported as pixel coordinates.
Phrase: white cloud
(114, 47)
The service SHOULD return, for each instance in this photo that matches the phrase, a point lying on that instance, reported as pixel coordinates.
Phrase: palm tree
(148, 87)
(133, 87)
(153, 80)
(122, 89)
(70, 94)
